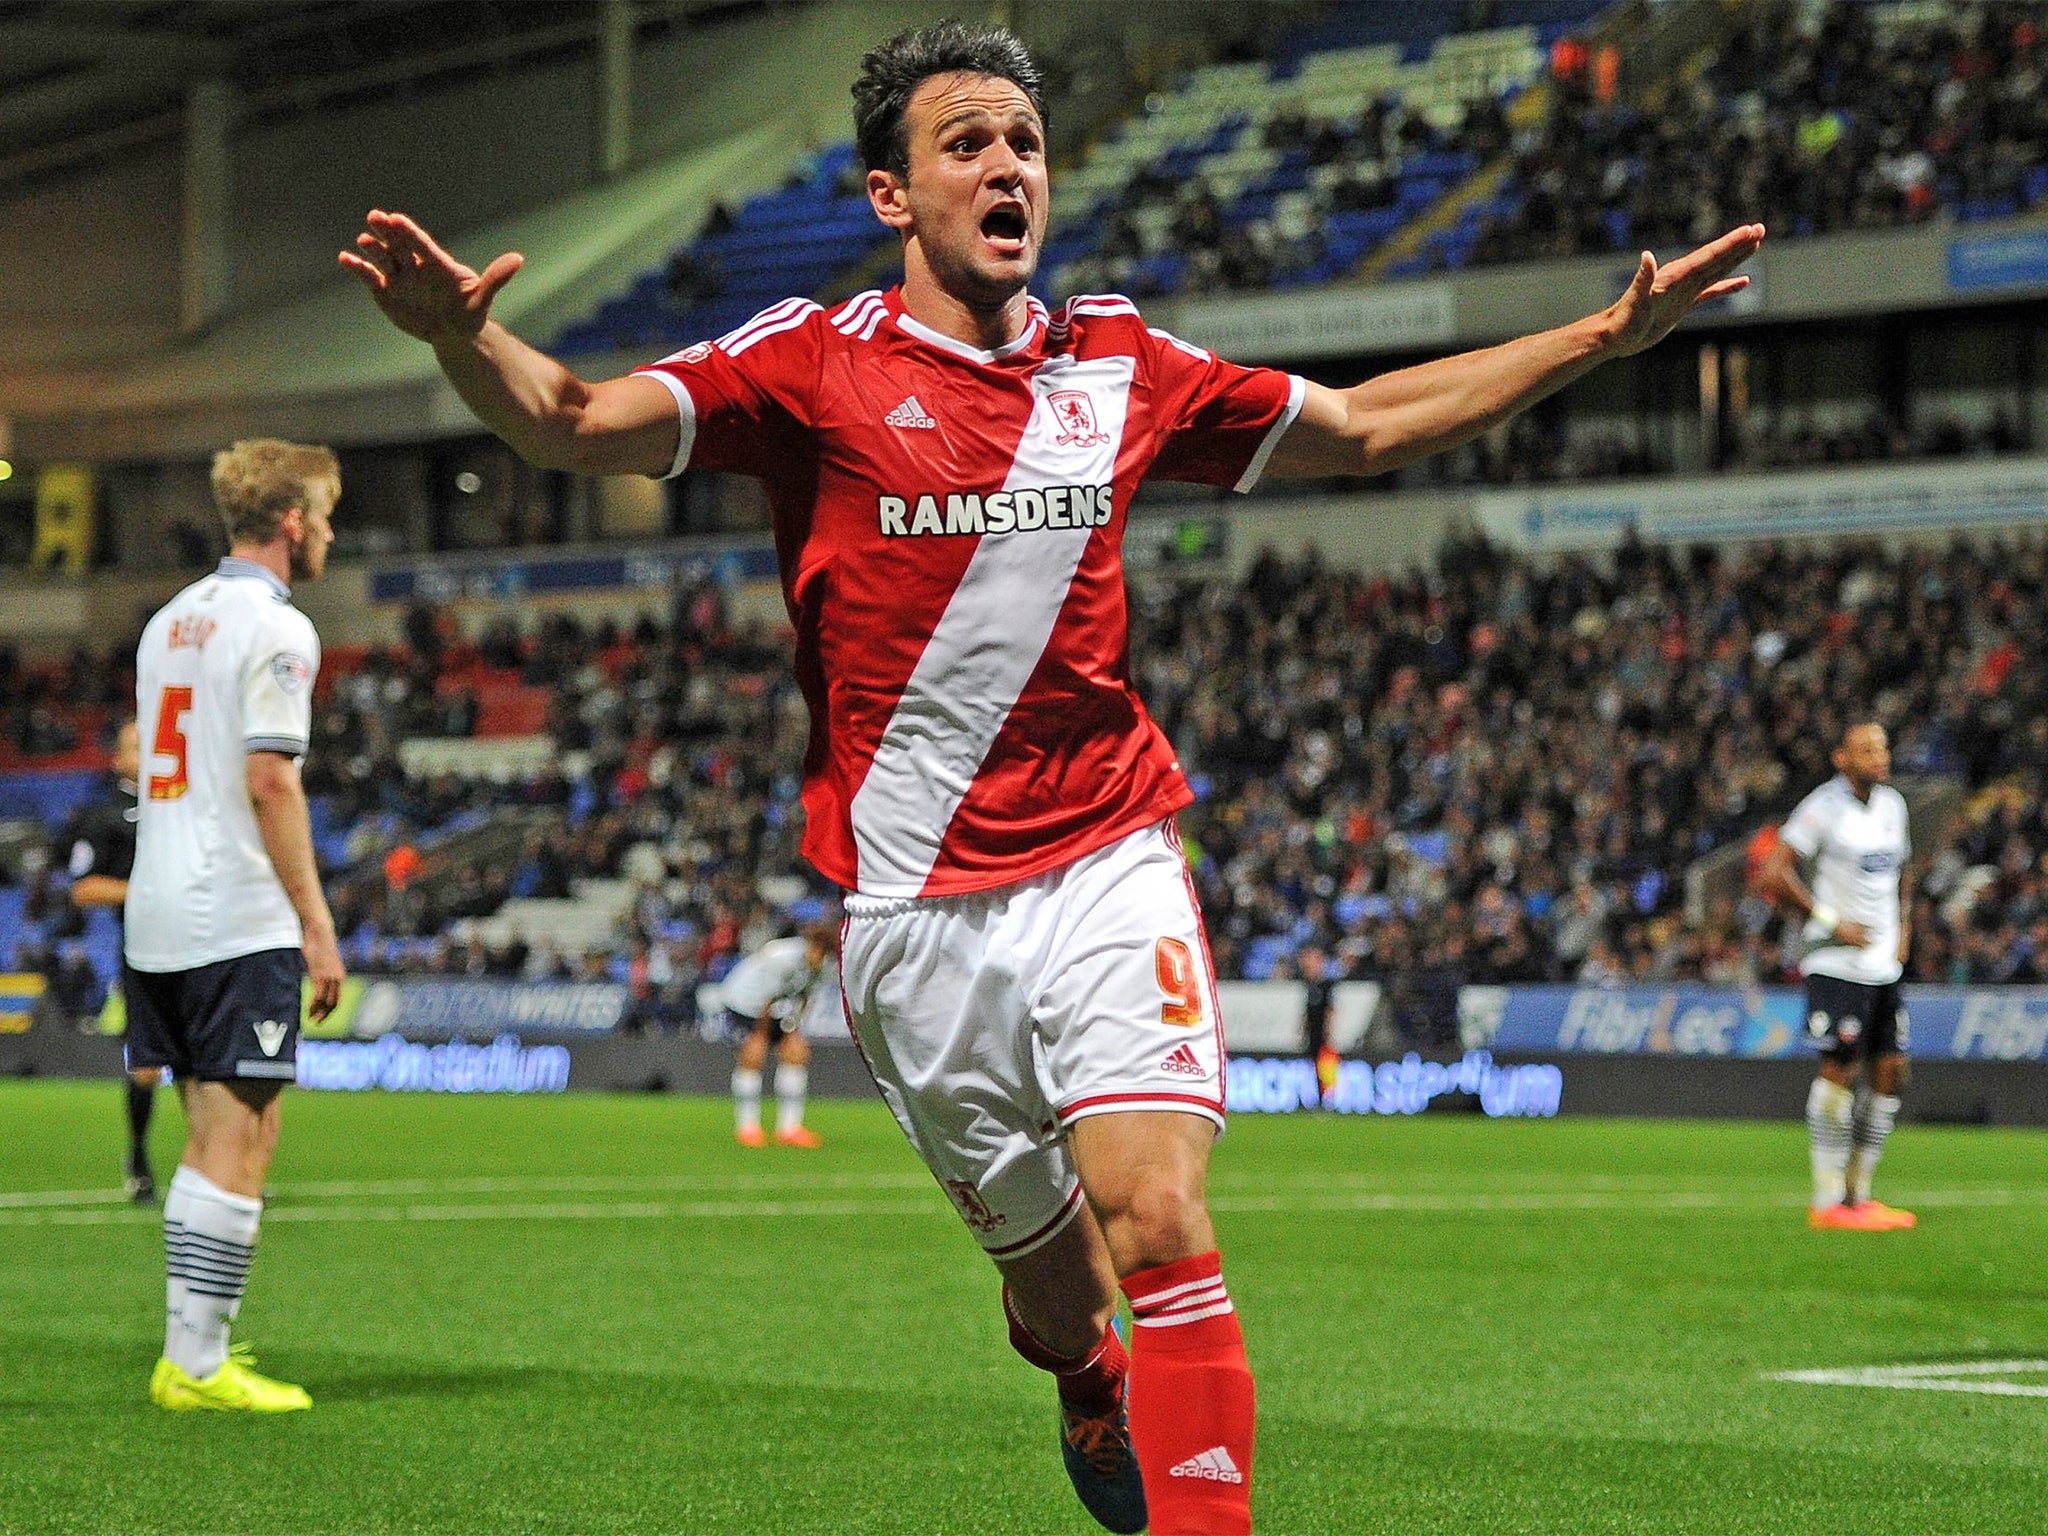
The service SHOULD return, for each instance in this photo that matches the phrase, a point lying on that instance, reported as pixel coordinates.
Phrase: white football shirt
(225, 668)
(779, 974)
(1858, 849)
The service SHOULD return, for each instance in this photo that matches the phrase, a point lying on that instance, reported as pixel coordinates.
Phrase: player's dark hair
(891, 73)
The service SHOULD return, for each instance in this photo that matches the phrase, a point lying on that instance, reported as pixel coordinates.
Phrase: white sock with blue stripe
(209, 1241)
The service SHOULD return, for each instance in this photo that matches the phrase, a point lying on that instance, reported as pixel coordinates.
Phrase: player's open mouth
(1006, 229)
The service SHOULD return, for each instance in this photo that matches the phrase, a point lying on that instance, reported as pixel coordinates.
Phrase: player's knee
(1163, 1219)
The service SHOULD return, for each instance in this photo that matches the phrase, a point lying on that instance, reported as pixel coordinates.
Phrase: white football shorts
(993, 1021)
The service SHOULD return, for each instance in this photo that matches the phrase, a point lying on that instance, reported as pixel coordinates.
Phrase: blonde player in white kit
(1854, 831)
(225, 915)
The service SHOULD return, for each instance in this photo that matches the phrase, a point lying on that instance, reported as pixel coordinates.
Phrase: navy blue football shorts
(234, 1020)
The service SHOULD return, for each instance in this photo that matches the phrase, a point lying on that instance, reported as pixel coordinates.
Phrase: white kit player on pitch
(225, 915)
(949, 467)
(766, 996)
(1855, 831)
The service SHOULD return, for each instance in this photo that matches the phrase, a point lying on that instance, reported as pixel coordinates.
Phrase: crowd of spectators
(1487, 771)
(678, 749)
(1811, 119)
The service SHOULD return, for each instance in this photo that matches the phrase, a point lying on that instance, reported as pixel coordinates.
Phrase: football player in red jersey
(948, 467)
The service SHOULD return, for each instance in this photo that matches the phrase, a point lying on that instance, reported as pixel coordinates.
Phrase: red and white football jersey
(949, 523)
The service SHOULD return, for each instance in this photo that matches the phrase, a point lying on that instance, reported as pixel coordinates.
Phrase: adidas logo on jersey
(1212, 1466)
(1184, 1061)
(909, 414)
(1021, 511)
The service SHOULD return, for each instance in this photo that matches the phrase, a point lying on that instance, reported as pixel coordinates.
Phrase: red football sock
(1092, 1382)
(1192, 1408)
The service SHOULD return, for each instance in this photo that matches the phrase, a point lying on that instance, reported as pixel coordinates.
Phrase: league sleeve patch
(291, 670)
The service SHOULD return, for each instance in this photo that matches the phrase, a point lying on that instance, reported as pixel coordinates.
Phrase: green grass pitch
(598, 1315)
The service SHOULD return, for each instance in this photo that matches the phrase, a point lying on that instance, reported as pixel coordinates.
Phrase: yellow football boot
(235, 1388)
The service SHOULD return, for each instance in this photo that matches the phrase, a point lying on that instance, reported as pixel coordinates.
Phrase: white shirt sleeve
(277, 686)
(1810, 822)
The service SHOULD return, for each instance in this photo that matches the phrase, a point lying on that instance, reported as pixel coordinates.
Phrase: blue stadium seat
(50, 798)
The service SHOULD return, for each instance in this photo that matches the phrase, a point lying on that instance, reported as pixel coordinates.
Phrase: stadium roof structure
(80, 80)
(329, 365)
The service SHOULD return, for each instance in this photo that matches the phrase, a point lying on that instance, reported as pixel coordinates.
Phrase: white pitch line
(512, 1185)
(629, 1210)
(590, 1184)
(10, 1200)
(97, 1210)
(1957, 1376)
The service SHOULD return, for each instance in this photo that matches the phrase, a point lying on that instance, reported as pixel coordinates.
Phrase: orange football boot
(802, 1136)
(1887, 1218)
(752, 1136)
(1841, 1218)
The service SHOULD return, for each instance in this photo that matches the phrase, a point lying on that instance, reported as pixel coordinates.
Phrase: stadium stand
(1269, 173)
(1845, 116)
(1379, 797)
(1385, 129)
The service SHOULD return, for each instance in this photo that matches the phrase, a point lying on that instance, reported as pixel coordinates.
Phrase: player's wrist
(1826, 916)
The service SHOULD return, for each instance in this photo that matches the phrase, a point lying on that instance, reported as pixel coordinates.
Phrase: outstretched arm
(550, 416)
(1410, 414)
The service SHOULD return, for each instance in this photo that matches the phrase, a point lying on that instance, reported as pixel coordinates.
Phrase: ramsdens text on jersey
(1019, 511)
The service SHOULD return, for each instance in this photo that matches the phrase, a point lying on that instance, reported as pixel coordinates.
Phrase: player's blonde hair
(260, 479)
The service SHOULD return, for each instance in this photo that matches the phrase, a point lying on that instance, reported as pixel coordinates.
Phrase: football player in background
(225, 915)
(1854, 831)
(102, 839)
(766, 995)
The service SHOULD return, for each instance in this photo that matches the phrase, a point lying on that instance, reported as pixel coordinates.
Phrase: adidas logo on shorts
(1212, 1466)
(1184, 1061)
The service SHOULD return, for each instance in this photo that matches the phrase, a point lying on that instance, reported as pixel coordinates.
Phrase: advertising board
(1941, 1023)
(398, 1065)
(1279, 1085)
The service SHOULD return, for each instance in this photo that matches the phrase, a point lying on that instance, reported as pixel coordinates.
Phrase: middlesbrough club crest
(1075, 413)
(972, 1206)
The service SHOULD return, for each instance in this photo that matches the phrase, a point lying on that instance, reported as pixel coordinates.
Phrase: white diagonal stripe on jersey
(875, 317)
(986, 645)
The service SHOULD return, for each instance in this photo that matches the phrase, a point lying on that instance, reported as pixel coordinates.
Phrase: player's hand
(423, 290)
(1660, 297)
(324, 970)
(1851, 933)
